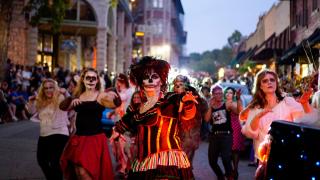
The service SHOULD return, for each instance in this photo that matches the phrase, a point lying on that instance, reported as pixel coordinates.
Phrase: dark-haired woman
(234, 105)
(156, 122)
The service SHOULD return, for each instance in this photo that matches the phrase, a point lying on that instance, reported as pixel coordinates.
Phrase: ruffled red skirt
(89, 152)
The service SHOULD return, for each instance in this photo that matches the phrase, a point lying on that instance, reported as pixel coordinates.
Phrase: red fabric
(238, 138)
(89, 152)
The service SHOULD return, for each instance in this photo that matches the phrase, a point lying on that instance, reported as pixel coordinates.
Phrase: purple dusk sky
(209, 23)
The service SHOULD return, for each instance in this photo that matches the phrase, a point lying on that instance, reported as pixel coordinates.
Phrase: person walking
(156, 123)
(86, 155)
(234, 105)
(270, 104)
(220, 140)
(54, 131)
(190, 137)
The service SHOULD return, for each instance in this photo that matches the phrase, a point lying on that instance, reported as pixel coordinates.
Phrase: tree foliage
(54, 10)
(211, 61)
(234, 38)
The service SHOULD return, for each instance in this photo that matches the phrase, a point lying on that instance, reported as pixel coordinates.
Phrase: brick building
(160, 23)
(93, 34)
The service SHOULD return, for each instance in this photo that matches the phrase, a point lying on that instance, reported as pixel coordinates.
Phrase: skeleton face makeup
(90, 80)
(178, 87)
(151, 81)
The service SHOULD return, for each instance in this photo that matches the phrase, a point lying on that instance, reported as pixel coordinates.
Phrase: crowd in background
(22, 82)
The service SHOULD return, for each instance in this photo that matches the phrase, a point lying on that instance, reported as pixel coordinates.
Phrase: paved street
(18, 155)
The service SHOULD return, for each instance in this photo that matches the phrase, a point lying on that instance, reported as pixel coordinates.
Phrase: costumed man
(156, 123)
(190, 136)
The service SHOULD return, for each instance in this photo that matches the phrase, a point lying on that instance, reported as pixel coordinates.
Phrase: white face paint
(90, 80)
(178, 87)
(151, 82)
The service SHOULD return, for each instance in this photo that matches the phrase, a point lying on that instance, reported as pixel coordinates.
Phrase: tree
(6, 9)
(234, 38)
(195, 56)
(53, 9)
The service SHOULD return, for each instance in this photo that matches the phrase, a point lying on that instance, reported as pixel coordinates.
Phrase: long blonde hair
(80, 85)
(42, 101)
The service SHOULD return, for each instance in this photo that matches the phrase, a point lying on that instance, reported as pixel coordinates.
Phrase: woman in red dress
(86, 155)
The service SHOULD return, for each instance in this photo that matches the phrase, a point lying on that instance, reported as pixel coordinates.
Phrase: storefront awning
(288, 54)
(235, 60)
(247, 55)
(314, 38)
(266, 54)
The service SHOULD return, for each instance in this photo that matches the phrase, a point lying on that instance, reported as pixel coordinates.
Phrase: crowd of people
(156, 130)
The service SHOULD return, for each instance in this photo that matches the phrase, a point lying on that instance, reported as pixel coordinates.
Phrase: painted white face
(151, 82)
(90, 80)
(178, 87)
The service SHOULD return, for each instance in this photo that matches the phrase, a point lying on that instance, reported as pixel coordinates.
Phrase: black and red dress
(88, 148)
(159, 153)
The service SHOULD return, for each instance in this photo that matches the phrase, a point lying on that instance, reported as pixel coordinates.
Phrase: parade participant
(234, 105)
(205, 126)
(54, 131)
(156, 123)
(269, 104)
(190, 137)
(119, 146)
(220, 140)
(86, 155)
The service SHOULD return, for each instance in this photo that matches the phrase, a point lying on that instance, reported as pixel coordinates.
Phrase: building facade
(93, 34)
(159, 29)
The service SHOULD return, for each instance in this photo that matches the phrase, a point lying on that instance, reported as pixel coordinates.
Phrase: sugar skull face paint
(151, 81)
(90, 80)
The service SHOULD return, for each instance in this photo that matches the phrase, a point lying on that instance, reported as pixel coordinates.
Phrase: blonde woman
(54, 131)
(86, 155)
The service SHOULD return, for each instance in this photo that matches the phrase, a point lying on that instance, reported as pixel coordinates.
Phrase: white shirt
(53, 121)
(288, 110)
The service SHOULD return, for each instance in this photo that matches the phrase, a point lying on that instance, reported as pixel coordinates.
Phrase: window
(157, 3)
(80, 11)
(160, 3)
(159, 28)
(45, 50)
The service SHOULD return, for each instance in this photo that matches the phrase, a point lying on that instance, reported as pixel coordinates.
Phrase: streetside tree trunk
(6, 9)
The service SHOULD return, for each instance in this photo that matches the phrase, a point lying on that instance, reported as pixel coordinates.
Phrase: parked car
(246, 97)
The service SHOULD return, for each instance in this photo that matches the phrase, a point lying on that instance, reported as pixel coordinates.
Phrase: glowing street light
(221, 73)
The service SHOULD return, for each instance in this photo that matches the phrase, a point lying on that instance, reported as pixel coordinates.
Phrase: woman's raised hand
(306, 96)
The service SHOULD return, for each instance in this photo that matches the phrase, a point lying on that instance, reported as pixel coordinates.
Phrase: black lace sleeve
(127, 122)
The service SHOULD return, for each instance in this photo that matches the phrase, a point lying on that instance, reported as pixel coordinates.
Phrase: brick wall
(17, 49)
